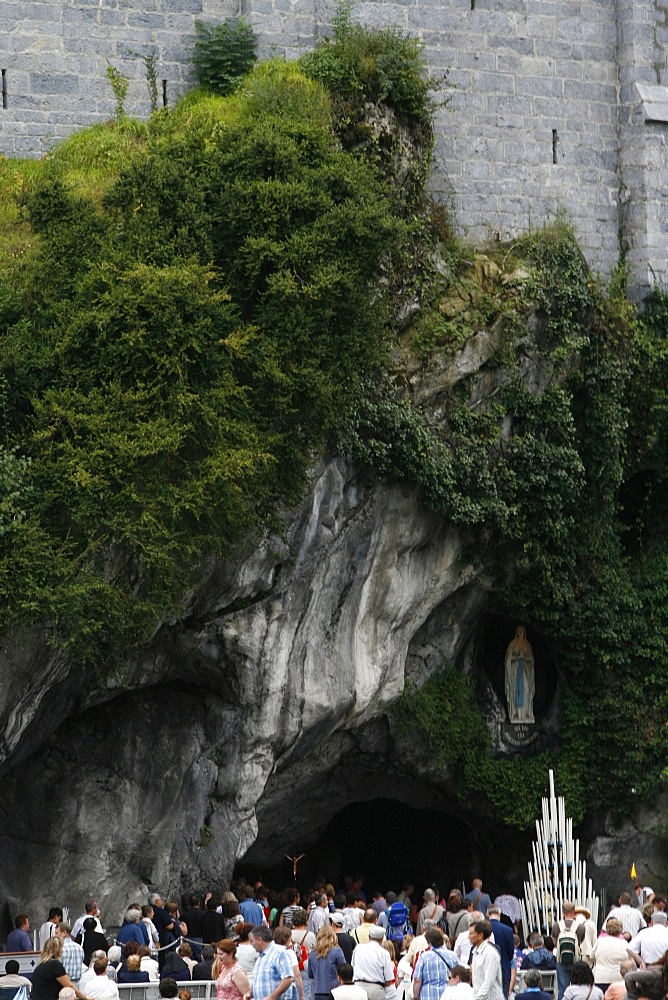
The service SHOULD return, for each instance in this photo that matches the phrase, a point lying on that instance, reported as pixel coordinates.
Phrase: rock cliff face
(259, 714)
(158, 781)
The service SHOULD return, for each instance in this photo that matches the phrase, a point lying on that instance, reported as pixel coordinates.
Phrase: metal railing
(200, 989)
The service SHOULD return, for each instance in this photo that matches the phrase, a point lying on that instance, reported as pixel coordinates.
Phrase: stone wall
(643, 133)
(532, 122)
(545, 115)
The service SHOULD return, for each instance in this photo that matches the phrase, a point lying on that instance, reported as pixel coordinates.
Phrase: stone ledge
(654, 102)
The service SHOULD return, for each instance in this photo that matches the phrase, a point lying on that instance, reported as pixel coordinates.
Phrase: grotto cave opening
(388, 841)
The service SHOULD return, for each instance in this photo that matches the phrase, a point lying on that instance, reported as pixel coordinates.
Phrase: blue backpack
(397, 922)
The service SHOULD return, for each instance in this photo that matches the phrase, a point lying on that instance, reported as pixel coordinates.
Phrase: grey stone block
(479, 61)
(494, 83)
(42, 12)
(79, 15)
(510, 121)
(493, 22)
(525, 46)
(507, 105)
(151, 21)
(113, 17)
(540, 26)
(594, 92)
(193, 6)
(178, 21)
(544, 86)
(571, 69)
(22, 103)
(54, 83)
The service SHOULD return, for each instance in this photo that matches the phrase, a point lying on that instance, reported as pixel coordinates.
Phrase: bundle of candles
(557, 872)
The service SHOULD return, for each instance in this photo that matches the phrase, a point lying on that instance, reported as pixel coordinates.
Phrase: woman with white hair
(132, 930)
(114, 956)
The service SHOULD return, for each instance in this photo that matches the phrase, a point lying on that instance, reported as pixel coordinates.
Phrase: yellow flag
(633, 871)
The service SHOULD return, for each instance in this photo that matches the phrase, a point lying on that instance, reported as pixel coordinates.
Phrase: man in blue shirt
(250, 910)
(272, 974)
(539, 957)
(479, 898)
(19, 939)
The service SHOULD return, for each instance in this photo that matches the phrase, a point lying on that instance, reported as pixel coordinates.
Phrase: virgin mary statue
(520, 679)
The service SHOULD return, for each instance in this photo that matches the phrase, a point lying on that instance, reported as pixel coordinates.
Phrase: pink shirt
(225, 987)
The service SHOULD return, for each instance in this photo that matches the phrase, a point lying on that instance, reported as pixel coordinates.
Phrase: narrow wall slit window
(164, 93)
(4, 88)
(555, 140)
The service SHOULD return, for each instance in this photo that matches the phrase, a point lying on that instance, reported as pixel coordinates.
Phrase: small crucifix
(295, 861)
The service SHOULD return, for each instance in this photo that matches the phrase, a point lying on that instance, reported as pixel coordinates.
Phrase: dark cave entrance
(384, 839)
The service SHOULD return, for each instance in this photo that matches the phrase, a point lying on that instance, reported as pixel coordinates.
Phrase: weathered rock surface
(119, 796)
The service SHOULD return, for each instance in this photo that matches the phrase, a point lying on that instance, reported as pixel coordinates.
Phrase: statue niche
(520, 679)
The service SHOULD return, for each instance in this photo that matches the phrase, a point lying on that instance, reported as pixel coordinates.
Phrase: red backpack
(301, 953)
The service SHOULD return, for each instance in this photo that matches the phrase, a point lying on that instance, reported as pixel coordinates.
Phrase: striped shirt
(433, 969)
(273, 964)
(72, 959)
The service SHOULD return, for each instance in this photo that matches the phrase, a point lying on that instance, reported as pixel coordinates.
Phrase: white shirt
(247, 957)
(510, 905)
(101, 988)
(404, 977)
(89, 975)
(631, 919)
(462, 950)
(486, 973)
(372, 964)
(353, 916)
(462, 991)
(317, 918)
(153, 936)
(14, 981)
(651, 944)
(78, 924)
(47, 930)
(151, 966)
(349, 992)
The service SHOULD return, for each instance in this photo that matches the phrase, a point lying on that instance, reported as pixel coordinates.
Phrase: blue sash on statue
(519, 682)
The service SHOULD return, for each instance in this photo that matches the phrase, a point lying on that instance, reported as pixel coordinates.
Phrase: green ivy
(444, 720)
(576, 529)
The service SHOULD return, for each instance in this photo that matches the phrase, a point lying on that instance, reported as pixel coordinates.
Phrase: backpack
(397, 920)
(301, 953)
(568, 949)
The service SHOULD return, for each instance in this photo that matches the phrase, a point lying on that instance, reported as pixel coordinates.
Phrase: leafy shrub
(381, 66)
(375, 76)
(189, 337)
(13, 488)
(223, 54)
